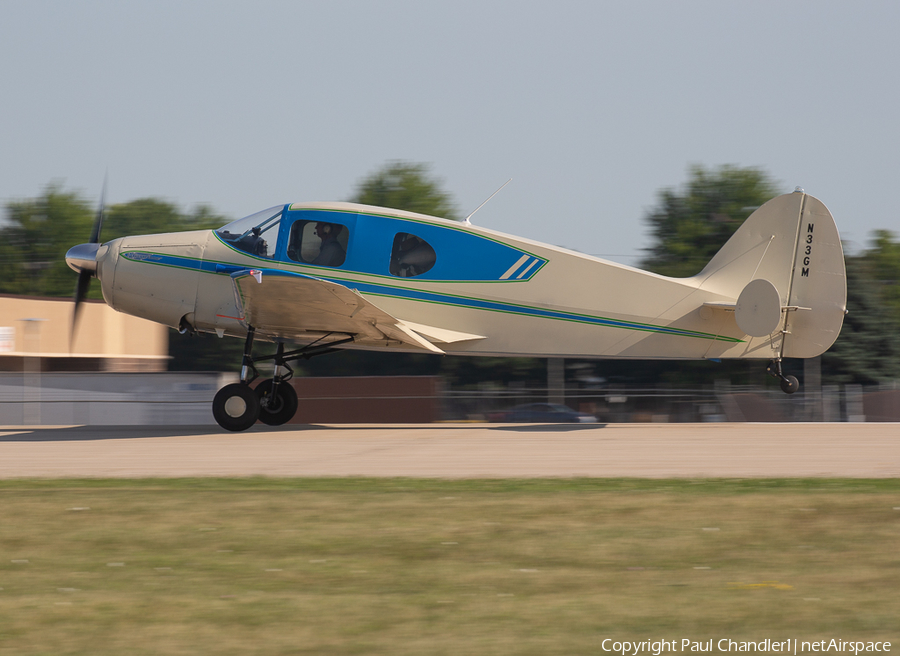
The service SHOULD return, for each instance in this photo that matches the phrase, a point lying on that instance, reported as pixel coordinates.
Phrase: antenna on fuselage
(467, 221)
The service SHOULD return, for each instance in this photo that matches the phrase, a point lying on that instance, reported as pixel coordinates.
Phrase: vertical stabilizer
(763, 247)
(791, 244)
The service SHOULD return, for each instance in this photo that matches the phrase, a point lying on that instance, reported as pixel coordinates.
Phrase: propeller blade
(98, 222)
(81, 289)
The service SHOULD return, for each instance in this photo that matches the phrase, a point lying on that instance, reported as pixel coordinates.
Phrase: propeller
(83, 259)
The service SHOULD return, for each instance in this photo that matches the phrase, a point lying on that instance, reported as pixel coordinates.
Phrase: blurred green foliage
(34, 238)
(406, 186)
(884, 259)
(688, 228)
(36, 233)
(868, 348)
(149, 216)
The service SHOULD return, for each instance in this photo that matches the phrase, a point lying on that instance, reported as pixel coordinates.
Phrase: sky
(590, 107)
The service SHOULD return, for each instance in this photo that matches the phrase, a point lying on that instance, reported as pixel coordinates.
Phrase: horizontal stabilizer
(758, 309)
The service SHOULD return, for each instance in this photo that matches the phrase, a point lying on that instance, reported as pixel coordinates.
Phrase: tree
(406, 186)
(34, 239)
(689, 228)
(148, 216)
(37, 233)
(884, 256)
(867, 350)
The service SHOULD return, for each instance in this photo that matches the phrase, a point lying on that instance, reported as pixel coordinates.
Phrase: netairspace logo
(789, 646)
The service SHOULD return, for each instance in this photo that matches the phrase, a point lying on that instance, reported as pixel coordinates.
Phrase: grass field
(400, 566)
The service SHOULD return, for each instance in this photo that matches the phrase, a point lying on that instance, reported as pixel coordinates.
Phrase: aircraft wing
(283, 304)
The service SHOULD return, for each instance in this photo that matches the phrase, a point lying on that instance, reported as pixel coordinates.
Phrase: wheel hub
(235, 407)
(272, 402)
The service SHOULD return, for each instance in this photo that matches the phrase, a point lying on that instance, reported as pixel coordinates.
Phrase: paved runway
(457, 451)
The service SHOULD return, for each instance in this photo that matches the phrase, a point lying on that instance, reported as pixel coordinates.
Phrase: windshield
(256, 234)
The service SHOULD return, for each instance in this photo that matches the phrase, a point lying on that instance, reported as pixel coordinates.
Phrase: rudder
(818, 285)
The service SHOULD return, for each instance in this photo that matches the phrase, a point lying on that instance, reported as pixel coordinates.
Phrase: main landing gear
(789, 384)
(236, 407)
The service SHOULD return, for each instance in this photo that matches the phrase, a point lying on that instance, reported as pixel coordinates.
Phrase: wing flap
(284, 304)
(400, 332)
(441, 335)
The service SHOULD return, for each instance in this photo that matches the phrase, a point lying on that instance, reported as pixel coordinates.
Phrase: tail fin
(793, 243)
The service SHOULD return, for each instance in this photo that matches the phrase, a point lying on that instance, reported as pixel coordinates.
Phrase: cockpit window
(411, 256)
(256, 234)
(319, 243)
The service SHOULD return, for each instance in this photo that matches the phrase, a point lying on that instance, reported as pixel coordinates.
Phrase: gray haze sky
(591, 107)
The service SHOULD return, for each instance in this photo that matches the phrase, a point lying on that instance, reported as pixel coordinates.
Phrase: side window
(319, 243)
(411, 256)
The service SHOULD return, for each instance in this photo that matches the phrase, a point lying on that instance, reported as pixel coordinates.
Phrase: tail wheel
(278, 408)
(236, 407)
(790, 384)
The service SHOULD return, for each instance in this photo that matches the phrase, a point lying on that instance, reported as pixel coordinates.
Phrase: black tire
(790, 384)
(279, 409)
(236, 407)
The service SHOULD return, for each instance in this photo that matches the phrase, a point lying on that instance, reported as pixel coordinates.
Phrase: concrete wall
(113, 399)
(141, 399)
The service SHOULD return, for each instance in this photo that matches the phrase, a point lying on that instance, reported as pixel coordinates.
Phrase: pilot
(331, 253)
(253, 243)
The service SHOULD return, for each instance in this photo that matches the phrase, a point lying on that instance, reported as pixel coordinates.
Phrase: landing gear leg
(236, 407)
(274, 401)
(277, 398)
(789, 384)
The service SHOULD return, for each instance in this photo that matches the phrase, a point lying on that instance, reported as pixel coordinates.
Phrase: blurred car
(551, 413)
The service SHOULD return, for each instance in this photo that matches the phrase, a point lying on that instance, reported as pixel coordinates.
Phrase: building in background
(36, 334)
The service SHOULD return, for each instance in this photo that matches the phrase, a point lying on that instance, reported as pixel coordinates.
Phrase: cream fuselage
(523, 297)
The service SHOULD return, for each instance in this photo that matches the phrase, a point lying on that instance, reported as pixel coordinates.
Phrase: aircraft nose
(83, 258)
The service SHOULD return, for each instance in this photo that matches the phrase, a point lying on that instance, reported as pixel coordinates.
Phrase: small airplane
(330, 276)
